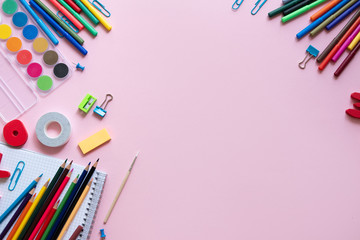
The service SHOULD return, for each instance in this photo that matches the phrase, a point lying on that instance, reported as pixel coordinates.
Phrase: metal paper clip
(100, 110)
(67, 21)
(311, 52)
(237, 4)
(17, 172)
(101, 7)
(257, 5)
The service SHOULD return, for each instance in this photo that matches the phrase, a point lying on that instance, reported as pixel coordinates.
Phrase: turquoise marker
(19, 199)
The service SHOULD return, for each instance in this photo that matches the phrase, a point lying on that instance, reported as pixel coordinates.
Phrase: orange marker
(324, 10)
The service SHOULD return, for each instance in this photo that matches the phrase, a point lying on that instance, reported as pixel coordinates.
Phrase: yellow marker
(94, 141)
(75, 210)
(5, 31)
(354, 42)
(97, 14)
(31, 210)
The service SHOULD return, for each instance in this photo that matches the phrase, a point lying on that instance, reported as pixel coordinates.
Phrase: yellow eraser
(94, 141)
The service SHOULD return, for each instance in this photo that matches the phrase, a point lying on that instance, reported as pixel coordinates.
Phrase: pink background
(236, 141)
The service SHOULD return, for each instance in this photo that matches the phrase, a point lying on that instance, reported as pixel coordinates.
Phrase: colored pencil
(58, 28)
(315, 23)
(354, 42)
(347, 60)
(332, 44)
(322, 25)
(75, 200)
(76, 233)
(338, 45)
(17, 214)
(39, 208)
(47, 221)
(61, 23)
(286, 1)
(73, 6)
(75, 210)
(324, 10)
(59, 209)
(79, 18)
(346, 44)
(279, 10)
(87, 12)
(343, 15)
(31, 210)
(40, 22)
(68, 203)
(94, 11)
(20, 219)
(120, 190)
(297, 7)
(302, 10)
(50, 206)
(19, 199)
(67, 14)
(48, 196)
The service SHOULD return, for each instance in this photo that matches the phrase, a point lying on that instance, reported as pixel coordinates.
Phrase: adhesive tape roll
(43, 123)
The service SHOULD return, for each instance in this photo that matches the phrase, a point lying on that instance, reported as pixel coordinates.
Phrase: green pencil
(61, 23)
(61, 206)
(87, 12)
(302, 10)
(78, 17)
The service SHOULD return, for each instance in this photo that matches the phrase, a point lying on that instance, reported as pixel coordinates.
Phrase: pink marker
(346, 44)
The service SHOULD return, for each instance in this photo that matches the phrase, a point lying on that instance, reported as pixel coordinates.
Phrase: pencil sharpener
(100, 111)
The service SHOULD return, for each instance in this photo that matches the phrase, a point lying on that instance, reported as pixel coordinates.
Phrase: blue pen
(321, 19)
(58, 27)
(40, 22)
(19, 199)
(342, 16)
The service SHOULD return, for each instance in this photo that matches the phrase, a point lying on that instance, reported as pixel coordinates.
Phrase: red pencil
(73, 5)
(67, 14)
(47, 221)
(51, 205)
(347, 60)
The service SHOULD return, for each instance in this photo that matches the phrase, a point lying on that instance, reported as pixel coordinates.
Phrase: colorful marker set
(327, 18)
(29, 51)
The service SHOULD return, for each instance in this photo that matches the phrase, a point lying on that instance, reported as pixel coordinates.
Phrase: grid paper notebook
(36, 164)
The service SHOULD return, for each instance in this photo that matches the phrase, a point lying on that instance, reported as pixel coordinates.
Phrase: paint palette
(29, 51)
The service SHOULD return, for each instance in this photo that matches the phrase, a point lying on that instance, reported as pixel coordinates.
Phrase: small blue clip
(311, 52)
(17, 171)
(237, 4)
(67, 21)
(100, 110)
(101, 7)
(256, 5)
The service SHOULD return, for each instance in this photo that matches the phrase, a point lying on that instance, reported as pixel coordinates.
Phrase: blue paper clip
(237, 4)
(56, 31)
(17, 171)
(67, 21)
(311, 52)
(257, 5)
(101, 7)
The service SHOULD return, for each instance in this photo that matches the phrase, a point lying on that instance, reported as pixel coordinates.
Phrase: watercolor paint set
(31, 54)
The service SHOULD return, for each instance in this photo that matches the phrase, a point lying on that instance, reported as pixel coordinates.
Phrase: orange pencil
(47, 221)
(324, 10)
(21, 217)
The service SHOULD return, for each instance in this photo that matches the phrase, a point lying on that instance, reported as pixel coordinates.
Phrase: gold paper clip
(17, 172)
(257, 4)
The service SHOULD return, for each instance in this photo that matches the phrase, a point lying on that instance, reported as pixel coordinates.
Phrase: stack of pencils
(43, 215)
(327, 18)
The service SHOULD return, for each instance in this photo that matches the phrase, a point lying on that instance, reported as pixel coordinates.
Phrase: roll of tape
(43, 123)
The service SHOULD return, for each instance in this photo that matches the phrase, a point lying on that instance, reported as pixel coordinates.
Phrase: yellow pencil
(31, 210)
(74, 211)
(97, 14)
(354, 42)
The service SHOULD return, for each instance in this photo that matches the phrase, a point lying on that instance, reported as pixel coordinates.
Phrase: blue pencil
(19, 199)
(40, 22)
(343, 15)
(68, 202)
(58, 27)
(318, 21)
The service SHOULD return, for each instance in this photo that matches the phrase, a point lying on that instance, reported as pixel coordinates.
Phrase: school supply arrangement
(69, 197)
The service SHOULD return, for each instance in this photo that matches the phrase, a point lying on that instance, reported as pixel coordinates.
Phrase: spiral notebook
(36, 164)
